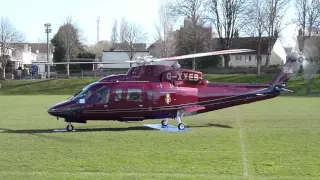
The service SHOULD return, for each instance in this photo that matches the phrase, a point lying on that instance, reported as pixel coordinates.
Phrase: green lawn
(273, 139)
(73, 85)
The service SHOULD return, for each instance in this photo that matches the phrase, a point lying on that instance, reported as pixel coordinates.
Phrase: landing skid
(168, 128)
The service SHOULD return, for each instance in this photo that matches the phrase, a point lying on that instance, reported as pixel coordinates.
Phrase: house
(40, 49)
(249, 59)
(121, 55)
(29, 53)
(164, 46)
(22, 56)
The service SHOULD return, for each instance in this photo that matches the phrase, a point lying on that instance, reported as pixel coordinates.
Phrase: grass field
(273, 139)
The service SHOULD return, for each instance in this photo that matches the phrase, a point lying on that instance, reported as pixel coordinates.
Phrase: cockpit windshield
(84, 93)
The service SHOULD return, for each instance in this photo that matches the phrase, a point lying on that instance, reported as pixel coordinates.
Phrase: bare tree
(131, 34)
(164, 34)
(10, 38)
(255, 26)
(98, 48)
(123, 27)
(227, 17)
(194, 36)
(69, 39)
(308, 18)
(114, 34)
(275, 10)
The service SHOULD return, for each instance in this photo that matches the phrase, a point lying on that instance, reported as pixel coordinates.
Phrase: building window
(117, 96)
(134, 95)
(238, 58)
(150, 95)
(248, 58)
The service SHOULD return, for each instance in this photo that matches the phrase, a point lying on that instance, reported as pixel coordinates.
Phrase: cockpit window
(134, 95)
(84, 93)
(102, 95)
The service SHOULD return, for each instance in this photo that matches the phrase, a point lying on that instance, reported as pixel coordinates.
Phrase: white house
(120, 56)
(278, 53)
(35, 53)
(249, 59)
(29, 53)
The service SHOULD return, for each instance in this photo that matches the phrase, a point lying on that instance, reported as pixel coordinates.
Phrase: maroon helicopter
(150, 91)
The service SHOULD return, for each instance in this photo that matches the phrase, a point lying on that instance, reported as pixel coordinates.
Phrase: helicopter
(165, 92)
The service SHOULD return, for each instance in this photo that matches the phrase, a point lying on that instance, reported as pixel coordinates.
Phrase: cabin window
(118, 94)
(102, 96)
(150, 95)
(134, 95)
(238, 58)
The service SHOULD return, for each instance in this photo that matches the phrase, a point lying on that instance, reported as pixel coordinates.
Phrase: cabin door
(99, 103)
(128, 101)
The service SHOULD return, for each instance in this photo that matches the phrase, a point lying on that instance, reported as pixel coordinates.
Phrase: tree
(99, 47)
(123, 27)
(130, 35)
(255, 26)
(67, 42)
(164, 34)
(275, 10)
(10, 39)
(308, 18)
(194, 38)
(114, 34)
(226, 16)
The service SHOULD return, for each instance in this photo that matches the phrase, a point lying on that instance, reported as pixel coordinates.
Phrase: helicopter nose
(60, 109)
(54, 111)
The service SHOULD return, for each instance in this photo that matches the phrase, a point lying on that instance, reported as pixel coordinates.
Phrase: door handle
(140, 105)
(105, 106)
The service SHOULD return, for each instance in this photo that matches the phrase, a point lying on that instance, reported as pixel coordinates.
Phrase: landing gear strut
(181, 126)
(180, 113)
(69, 127)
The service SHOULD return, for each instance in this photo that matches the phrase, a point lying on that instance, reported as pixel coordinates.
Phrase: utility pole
(48, 30)
(98, 31)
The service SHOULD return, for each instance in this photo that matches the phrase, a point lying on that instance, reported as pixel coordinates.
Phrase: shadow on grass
(34, 131)
(212, 125)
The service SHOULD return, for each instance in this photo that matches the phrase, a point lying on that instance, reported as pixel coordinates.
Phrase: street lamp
(48, 30)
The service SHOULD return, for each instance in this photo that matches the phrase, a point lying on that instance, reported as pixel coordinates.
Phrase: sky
(29, 16)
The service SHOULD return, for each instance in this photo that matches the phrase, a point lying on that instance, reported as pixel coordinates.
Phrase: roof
(246, 43)
(137, 46)
(115, 51)
(42, 47)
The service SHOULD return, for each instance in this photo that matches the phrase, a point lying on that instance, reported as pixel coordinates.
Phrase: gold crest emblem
(168, 98)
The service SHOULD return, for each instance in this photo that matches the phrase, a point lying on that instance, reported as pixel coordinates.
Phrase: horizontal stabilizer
(193, 108)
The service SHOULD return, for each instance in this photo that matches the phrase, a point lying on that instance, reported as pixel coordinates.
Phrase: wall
(43, 57)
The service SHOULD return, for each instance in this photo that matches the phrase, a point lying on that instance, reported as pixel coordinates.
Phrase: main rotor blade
(104, 62)
(231, 51)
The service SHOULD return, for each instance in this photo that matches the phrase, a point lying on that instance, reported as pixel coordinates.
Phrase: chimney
(26, 47)
(300, 32)
(29, 48)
